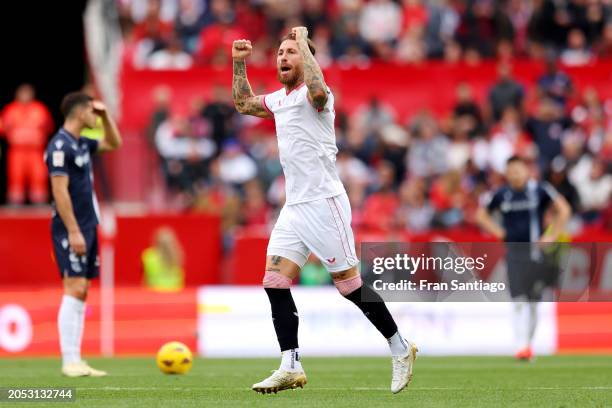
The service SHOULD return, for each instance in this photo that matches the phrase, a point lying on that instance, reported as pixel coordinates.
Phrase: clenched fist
(241, 49)
(300, 33)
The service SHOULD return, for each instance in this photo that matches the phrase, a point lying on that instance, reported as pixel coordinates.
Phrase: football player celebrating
(317, 215)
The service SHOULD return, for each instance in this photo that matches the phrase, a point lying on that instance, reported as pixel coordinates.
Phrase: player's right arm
(486, 222)
(245, 101)
(63, 204)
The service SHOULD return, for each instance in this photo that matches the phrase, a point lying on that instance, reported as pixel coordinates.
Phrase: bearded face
(289, 64)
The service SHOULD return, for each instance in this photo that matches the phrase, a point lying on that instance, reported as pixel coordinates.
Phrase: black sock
(284, 317)
(375, 310)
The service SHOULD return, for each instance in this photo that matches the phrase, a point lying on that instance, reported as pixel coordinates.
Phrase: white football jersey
(306, 145)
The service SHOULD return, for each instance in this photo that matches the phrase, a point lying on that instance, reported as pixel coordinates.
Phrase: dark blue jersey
(68, 156)
(523, 211)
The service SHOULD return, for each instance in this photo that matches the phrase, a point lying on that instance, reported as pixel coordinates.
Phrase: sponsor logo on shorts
(331, 260)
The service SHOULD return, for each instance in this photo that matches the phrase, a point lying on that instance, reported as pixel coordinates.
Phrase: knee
(275, 280)
(78, 291)
(348, 286)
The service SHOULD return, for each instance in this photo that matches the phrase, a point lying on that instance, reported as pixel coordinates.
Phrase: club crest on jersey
(58, 158)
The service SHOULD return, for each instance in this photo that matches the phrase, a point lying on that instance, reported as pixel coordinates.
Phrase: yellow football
(174, 358)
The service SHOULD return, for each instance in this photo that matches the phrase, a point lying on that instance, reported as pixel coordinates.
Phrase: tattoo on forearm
(276, 259)
(313, 76)
(244, 99)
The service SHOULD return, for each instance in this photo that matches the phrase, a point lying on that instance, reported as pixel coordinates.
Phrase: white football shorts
(322, 227)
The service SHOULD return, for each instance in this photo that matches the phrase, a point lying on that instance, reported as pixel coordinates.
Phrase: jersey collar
(67, 133)
(294, 89)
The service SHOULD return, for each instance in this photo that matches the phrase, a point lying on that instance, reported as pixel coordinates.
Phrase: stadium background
(416, 158)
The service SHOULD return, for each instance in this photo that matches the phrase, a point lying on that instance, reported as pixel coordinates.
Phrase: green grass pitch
(559, 381)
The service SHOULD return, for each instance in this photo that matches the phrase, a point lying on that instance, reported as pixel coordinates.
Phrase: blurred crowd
(178, 34)
(402, 174)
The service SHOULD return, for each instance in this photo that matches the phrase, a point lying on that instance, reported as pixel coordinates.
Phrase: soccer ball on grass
(174, 358)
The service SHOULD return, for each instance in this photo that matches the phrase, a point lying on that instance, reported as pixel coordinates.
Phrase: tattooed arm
(244, 99)
(313, 76)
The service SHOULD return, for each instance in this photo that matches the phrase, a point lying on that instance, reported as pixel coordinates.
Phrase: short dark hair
(291, 36)
(516, 159)
(73, 100)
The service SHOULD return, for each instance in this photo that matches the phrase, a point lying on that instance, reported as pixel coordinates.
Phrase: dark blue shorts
(71, 265)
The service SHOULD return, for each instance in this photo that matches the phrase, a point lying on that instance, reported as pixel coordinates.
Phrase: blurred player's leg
(277, 282)
(403, 352)
(70, 322)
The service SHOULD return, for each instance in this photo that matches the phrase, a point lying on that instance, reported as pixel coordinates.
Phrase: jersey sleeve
(57, 158)
(92, 145)
(547, 193)
(267, 100)
(493, 201)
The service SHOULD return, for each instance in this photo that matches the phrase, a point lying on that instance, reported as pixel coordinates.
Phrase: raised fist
(241, 49)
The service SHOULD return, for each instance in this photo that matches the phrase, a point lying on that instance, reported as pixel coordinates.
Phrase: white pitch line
(586, 388)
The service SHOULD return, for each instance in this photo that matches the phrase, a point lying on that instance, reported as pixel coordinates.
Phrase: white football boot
(281, 380)
(402, 368)
(81, 369)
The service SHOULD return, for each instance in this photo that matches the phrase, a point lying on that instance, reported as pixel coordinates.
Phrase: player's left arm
(112, 138)
(563, 212)
(313, 76)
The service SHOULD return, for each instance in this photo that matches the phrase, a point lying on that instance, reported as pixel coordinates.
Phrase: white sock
(290, 360)
(521, 324)
(397, 344)
(533, 321)
(70, 326)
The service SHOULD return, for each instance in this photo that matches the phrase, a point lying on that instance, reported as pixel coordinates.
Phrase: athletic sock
(290, 360)
(70, 326)
(375, 310)
(397, 344)
(533, 321)
(521, 324)
(284, 317)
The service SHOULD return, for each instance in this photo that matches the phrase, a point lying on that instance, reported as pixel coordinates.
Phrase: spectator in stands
(351, 170)
(467, 116)
(381, 206)
(185, 148)
(235, 167)
(315, 16)
(26, 123)
(440, 28)
(255, 210)
(161, 111)
(189, 21)
(216, 39)
(163, 262)
(554, 83)
(508, 139)
(393, 148)
(483, 24)
(558, 178)
(380, 23)
(577, 53)
(348, 46)
(414, 214)
(594, 186)
(603, 47)
(448, 197)
(171, 57)
(221, 115)
(506, 92)
(153, 30)
(547, 128)
(427, 155)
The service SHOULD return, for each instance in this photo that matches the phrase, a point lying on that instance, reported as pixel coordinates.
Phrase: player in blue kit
(522, 204)
(75, 217)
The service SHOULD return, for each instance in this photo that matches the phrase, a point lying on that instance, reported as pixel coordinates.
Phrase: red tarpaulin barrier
(26, 253)
(143, 321)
